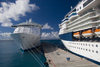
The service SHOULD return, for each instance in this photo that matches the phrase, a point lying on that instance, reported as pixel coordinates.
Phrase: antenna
(30, 20)
(71, 7)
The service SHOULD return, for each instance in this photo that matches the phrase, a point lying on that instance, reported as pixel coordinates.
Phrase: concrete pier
(57, 57)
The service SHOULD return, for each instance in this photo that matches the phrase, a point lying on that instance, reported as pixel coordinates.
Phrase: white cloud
(51, 35)
(46, 26)
(14, 11)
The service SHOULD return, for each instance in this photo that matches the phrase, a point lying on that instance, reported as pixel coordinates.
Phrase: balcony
(84, 20)
(81, 17)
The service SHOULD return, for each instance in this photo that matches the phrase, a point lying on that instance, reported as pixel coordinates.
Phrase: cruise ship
(80, 30)
(27, 35)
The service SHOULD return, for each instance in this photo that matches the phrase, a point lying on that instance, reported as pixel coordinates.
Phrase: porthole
(96, 45)
(92, 50)
(96, 51)
(92, 45)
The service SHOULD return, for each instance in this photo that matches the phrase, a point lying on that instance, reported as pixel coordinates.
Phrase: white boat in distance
(27, 35)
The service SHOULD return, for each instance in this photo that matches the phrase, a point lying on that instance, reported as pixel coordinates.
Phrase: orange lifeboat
(97, 32)
(77, 34)
(87, 33)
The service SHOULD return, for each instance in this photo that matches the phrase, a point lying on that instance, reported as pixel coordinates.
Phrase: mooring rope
(40, 62)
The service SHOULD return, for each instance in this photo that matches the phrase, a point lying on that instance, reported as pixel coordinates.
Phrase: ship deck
(57, 57)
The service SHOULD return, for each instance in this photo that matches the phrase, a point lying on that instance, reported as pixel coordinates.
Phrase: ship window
(87, 2)
(92, 50)
(96, 45)
(77, 9)
(80, 7)
(92, 45)
(96, 51)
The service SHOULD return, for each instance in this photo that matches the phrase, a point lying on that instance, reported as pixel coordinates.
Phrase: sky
(48, 13)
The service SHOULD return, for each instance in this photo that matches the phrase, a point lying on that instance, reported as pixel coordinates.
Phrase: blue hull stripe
(66, 36)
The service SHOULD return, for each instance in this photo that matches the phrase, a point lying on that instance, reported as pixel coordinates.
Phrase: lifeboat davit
(77, 34)
(97, 32)
(87, 33)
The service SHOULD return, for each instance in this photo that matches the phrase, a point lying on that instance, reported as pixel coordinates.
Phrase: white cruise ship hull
(26, 40)
(90, 50)
(86, 24)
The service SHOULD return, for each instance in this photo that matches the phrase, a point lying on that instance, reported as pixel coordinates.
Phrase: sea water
(12, 56)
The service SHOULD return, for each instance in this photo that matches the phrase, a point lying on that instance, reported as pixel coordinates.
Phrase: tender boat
(87, 33)
(77, 34)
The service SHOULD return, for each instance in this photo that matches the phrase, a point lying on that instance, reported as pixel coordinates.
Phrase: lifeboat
(77, 34)
(87, 33)
(97, 32)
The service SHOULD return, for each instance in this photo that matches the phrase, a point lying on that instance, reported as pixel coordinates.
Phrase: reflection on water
(12, 56)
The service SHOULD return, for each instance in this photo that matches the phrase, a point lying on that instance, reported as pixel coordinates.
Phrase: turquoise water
(12, 56)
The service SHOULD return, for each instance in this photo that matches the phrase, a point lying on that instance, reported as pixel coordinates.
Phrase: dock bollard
(68, 58)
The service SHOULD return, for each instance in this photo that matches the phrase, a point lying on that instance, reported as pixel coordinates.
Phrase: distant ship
(80, 29)
(27, 35)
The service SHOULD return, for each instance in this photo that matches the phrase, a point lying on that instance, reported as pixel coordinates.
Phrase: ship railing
(76, 27)
(82, 20)
(80, 17)
(90, 17)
